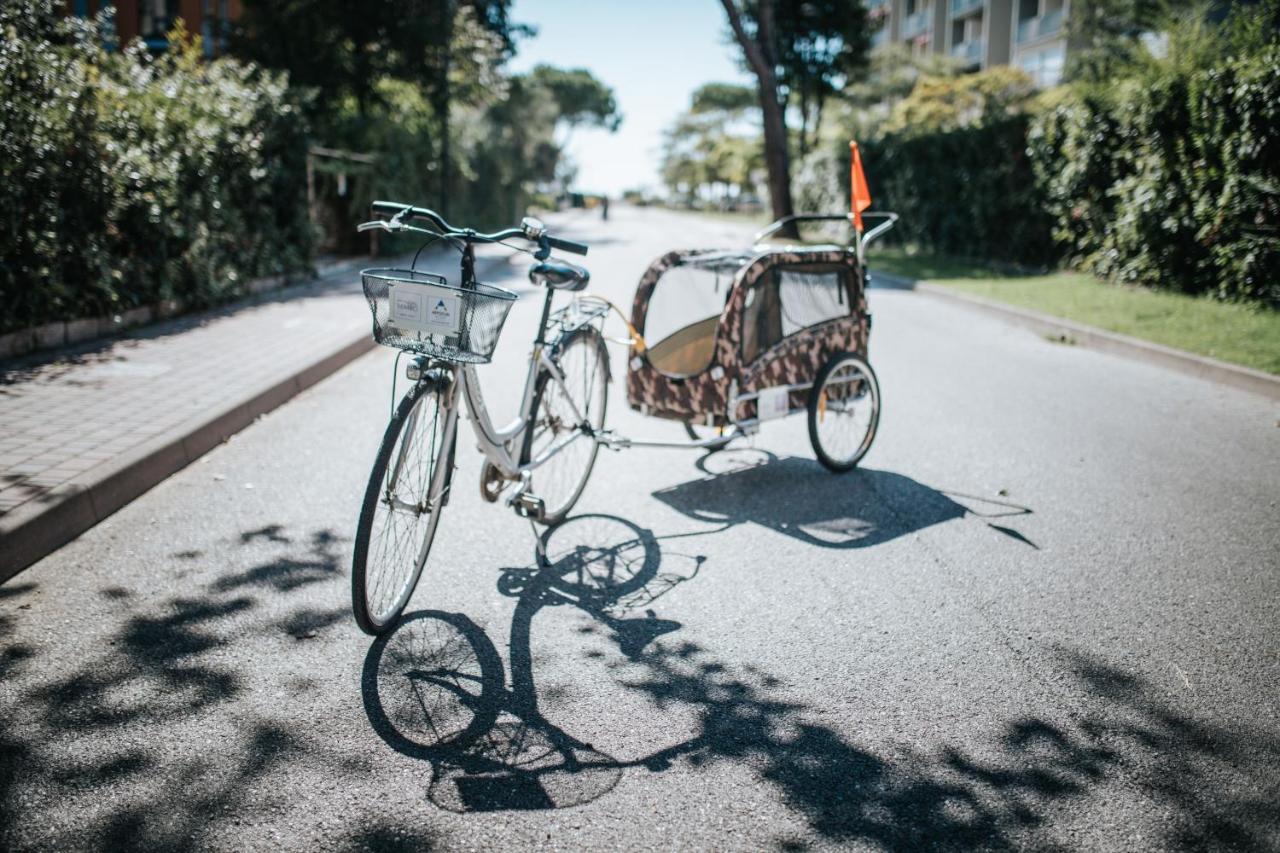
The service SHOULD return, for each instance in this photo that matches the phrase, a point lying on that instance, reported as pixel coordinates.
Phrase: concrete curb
(40, 527)
(1199, 366)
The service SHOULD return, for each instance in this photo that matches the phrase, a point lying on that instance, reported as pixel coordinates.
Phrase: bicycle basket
(421, 312)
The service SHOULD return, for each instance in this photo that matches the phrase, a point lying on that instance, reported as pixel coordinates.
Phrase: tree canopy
(798, 51)
(723, 98)
(338, 48)
(583, 101)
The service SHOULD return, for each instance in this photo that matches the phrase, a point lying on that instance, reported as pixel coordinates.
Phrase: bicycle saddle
(559, 275)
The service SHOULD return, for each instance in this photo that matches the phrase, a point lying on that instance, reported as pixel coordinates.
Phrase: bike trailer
(715, 329)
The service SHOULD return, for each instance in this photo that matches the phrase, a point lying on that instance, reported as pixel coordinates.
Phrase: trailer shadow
(797, 497)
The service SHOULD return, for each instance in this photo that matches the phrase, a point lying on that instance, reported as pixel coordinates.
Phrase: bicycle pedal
(611, 440)
(529, 506)
(492, 482)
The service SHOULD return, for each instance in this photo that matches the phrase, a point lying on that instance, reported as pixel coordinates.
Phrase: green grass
(1239, 334)
(897, 261)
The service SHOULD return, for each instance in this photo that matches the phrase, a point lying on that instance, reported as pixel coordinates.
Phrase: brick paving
(65, 415)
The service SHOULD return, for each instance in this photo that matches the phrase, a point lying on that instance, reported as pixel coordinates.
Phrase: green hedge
(1169, 178)
(969, 191)
(1174, 183)
(128, 180)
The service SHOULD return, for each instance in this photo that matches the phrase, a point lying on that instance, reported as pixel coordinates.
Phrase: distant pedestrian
(604, 207)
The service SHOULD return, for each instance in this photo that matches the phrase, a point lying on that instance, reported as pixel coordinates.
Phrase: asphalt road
(1043, 614)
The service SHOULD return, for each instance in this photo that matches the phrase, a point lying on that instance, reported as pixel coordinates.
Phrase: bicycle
(450, 329)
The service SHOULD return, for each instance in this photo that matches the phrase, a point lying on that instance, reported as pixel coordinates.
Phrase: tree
(948, 103)
(891, 76)
(822, 43)
(581, 98)
(724, 98)
(700, 152)
(340, 49)
(760, 49)
(800, 49)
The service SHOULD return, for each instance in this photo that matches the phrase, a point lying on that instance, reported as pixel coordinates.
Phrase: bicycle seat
(559, 275)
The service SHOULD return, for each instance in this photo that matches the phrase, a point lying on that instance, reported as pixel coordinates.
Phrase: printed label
(424, 308)
(773, 403)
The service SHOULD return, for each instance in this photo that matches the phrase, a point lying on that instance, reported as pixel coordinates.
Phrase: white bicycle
(547, 452)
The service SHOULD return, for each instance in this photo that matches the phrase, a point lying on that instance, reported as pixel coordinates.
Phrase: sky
(653, 53)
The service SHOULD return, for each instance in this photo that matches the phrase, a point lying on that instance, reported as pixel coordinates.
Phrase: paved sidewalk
(83, 432)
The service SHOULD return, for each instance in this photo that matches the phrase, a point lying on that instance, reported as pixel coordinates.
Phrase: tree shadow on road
(434, 690)
(155, 739)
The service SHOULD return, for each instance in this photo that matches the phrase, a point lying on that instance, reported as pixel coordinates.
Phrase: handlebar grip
(394, 208)
(567, 245)
(388, 207)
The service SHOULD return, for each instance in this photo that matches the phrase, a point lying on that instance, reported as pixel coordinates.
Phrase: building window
(216, 25)
(1045, 65)
(155, 19)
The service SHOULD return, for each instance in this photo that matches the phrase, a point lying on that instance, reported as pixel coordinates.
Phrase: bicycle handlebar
(530, 229)
(567, 245)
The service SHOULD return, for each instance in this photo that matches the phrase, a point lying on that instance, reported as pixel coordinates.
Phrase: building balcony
(964, 7)
(920, 22)
(1041, 26)
(968, 51)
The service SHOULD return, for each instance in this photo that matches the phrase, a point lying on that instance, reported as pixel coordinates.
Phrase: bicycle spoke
(567, 408)
(403, 515)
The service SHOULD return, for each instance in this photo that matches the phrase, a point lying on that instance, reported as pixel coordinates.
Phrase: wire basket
(421, 312)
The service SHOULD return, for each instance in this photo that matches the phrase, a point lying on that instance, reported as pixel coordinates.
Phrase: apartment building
(1030, 34)
(151, 20)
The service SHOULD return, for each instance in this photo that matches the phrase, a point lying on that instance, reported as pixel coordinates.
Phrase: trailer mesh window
(684, 310)
(788, 300)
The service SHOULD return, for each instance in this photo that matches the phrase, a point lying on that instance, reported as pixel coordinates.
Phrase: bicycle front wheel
(566, 417)
(401, 507)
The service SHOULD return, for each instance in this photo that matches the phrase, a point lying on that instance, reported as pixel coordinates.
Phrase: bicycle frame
(501, 446)
(496, 443)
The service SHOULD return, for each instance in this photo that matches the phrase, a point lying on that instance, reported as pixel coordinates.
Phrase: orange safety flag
(860, 195)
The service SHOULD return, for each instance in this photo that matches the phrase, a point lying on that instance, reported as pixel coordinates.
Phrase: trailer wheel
(844, 411)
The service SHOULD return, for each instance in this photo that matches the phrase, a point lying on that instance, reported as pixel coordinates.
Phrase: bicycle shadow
(434, 689)
(860, 509)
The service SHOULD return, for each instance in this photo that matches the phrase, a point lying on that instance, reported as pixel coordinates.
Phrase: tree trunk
(804, 122)
(440, 105)
(759, 53)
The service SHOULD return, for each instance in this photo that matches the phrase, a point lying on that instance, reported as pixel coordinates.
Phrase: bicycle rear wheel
(402, 505)
(565, 419)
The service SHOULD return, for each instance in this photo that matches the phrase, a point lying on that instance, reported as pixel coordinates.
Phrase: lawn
(1236, 333)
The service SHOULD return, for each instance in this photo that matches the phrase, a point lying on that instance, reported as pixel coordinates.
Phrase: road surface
(1042, 614)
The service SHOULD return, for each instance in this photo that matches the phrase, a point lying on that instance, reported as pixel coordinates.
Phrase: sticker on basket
(424, 308)
(773, 403)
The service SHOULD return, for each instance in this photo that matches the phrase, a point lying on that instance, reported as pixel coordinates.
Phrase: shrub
(55, 181)
(1073, 147)
(968, 191)
(947, 103)
(131, 180)
(1171, 180)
